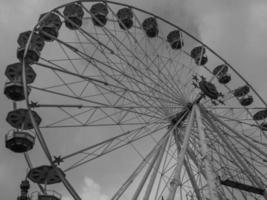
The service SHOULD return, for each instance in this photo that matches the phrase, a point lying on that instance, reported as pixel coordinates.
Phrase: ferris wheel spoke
(253, 155)
(252, 176)
(154, 171)
(166, 162)
(102, 116)
(172, 84)
(149, 65)
(68, 58)
(237, 121)
(90, 106)
(248, 156)
(121, 96)
(94, 81)
(112, 144)
(243, 150)
(105, 83)
(177, 86)
(80, 42)
(100, 62)
(239, 135)
(232, 108)
(96, 102)
(110, 34)
(131, 178)
(68, 83)
(231, 164)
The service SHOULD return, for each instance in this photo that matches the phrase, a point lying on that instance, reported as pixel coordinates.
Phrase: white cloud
(90, 190)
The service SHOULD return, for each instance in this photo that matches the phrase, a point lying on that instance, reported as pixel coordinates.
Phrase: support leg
(206, 157)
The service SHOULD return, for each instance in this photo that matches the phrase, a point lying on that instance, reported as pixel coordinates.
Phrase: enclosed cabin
(260, 116)
(150, 27)
(45, 174)
(73, 14)
(242, 93)
(263, 126)
(199, 55)
(14, 89)
(49, 25)
(20, 119)
(246, 101)
(36, 45)
(19, 141)
(221, 72)
(99, 12)
(125, 18)
(24, 188)
(174, 38)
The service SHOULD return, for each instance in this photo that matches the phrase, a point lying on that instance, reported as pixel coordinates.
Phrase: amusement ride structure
(96, 65)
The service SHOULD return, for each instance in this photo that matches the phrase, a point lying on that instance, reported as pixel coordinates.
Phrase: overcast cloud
(236, 29)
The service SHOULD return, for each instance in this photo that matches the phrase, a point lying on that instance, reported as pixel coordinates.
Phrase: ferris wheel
(101, 80)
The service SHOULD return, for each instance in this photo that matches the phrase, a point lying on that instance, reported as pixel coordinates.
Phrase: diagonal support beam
(150, 167)
(140, 167)
(188, 169)
(155, 169)
(176, 180)
(242, 163)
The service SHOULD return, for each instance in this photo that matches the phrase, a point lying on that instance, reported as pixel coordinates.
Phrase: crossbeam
(241, 186)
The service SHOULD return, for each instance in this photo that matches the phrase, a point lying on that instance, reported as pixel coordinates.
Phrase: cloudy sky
(236, 29)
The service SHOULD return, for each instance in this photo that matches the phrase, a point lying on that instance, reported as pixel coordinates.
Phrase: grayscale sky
(236, 29)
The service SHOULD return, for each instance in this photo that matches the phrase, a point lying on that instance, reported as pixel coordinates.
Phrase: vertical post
(206, 157)
(176, 180)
